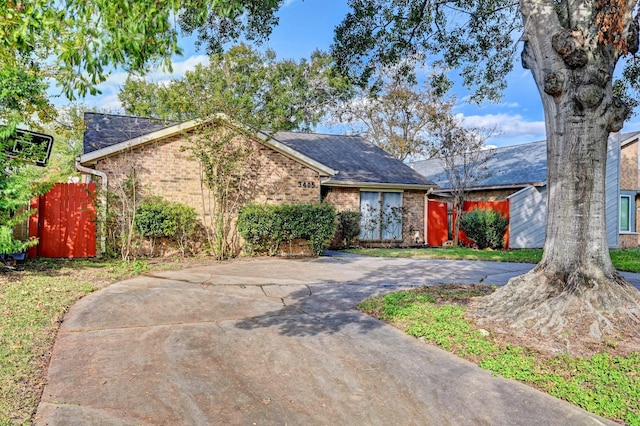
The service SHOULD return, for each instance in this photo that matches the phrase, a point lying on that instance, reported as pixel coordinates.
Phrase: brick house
(518, 173)
(345, 171)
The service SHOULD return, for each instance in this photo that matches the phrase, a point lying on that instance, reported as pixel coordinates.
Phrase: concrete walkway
(276, 342)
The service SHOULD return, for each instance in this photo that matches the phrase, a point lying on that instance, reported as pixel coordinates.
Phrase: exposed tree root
(577, 315)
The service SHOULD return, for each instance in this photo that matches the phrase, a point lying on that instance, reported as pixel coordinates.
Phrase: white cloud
(511, 128)
(111, 87)
(179, 68)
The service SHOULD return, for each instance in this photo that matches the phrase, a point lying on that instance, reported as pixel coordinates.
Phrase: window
(627, 219)
(381, 215)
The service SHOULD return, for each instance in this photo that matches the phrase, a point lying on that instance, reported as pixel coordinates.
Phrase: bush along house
(186, 163)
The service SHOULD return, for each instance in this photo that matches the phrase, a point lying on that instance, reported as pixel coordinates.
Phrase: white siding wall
(612, 188)
(527, 217)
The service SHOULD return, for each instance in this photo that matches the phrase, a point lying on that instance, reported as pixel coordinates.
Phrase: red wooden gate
(65, 222)
(438, 220)
(437, 223)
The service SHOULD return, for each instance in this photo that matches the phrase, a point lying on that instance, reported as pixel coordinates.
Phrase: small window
(381, 215)
(627, 219)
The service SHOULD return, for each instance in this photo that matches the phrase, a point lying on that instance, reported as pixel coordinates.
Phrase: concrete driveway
(276, 342)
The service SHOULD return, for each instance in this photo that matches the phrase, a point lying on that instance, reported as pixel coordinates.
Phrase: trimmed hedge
(158, 218)
(485, 227)
(265, 227)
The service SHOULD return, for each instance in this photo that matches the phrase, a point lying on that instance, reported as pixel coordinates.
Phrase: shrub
(485, 227)
(266, 227)
(157, 218)
(348, 229)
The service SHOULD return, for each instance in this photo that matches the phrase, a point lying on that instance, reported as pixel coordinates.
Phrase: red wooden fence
(438, 220)
(65, 222)
(437, 223)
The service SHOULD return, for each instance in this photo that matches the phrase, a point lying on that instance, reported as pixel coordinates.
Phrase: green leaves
(266, 227)
(477, 38)
(485, 227)
(252, 87)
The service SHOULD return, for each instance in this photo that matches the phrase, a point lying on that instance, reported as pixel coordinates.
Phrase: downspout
(426, 215)
(103, 200)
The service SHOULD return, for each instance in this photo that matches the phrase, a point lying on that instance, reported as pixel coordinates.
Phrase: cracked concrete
(272, 342)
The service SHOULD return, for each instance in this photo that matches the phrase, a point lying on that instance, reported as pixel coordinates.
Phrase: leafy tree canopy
(76, 43)
(479, 39)
(398, 117)
(252, 87)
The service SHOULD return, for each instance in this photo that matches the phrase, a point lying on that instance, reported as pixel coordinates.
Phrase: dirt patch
(574, 341)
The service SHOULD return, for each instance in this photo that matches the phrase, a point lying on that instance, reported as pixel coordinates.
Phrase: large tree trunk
(575, 286)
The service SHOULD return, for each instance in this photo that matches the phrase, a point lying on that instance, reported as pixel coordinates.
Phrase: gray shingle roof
(515, 165)
(356, 159)
(511, 165)
(103, 130)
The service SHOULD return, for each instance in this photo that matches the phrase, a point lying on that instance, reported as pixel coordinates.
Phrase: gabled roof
(516, 165)
(358, 161)
(340, 160)
(510, 166)
(104, 130)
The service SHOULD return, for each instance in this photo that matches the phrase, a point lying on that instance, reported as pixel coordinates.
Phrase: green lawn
(604, 384)
(623, 259)
(33, 301)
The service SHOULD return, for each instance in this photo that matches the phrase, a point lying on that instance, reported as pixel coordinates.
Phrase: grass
(605, 385)
(623, 259)
(33, 302)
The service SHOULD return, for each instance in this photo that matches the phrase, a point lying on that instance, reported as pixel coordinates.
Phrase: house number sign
(302, 184)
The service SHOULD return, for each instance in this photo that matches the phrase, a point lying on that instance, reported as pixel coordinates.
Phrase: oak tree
(572, 49)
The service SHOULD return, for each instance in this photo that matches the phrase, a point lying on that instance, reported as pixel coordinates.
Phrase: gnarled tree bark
(571, 48)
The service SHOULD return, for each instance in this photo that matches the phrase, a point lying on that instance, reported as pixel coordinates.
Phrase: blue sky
(308, 25)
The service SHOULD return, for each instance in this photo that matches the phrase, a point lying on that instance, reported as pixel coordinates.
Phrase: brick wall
(342, 198)
(629, 182)
(413, 202)
(165, 168)
(629, 167)
(629, 240)
(413, 221)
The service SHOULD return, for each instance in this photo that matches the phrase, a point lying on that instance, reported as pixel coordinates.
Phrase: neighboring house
(345, 171)
(518, 173)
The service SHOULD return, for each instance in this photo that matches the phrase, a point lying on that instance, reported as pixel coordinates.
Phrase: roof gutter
(374, 185)
(496, 187)
(103, 201)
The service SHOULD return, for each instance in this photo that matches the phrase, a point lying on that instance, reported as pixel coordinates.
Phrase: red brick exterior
(412, 221)
(166, 168)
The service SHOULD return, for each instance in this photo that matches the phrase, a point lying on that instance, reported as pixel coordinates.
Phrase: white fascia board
(634, 136)
(497, 187)
(375, 185)
(93, 157)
